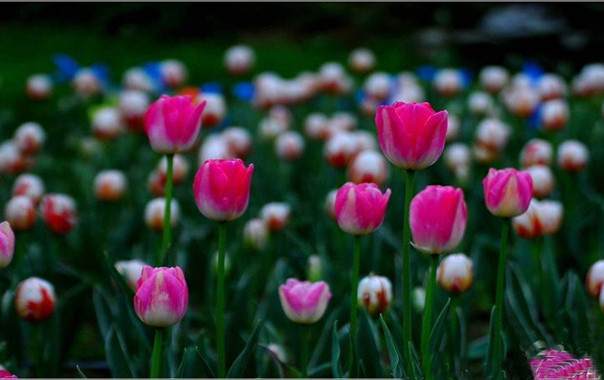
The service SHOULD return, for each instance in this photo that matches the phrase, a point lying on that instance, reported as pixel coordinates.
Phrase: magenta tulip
(507, 192)
(161, 296)
(7, 244)
(438, 219)
(222, 188)
(303, 301)
(411, 135)
(173, 123)
(360, 208)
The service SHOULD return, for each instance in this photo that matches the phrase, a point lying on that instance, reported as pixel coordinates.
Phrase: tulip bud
(59, 213)
(238, 141)
(86, 83)
(360, 208)
(278, 352)
(361, 60)
(303, 301)
(543, 180)
(412, 136)
(131, 270)
(437, 217)
(572, 156)
(173, 123)
(107, 123)
(448, 82)
(375, 294)
(4, 374)
(409, 94)
(595, 278)
(554, 114)
(255, 234)
(29, 185)
(377, 86)
(316, 126)
(521, 100)
(173, 73)
(455, 274)
(480, 103)
(270, 128)
(492, 134)
(11, 159)
(551, 86)
(35, 299)
(215, 108)
(239, 59)
(20, 213)
(314, 271)
(342, 122)
(137, 79)
(29, 137)
(180, 169)
(457, 156)
(154, 213)
(368, 166)
(340, 148)
(133, 104)
(330, 203)
(550, 213)
(39, 87)
(275, 215)
(289, 146)
(161, 297)
(333, 78)
(536, 152)
(493, 78)
(7, 244)
(507, 192)
(110, 185)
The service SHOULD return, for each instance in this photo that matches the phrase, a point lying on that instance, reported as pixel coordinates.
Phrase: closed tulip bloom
(368, 166)
(316, 126)
(275, 215)
(543, 180)
(492, 134)
(289, 146)
(180, 169)
(155, 210)
(29, 185)
(133, 104)
(7, 244)
(12, 160)
(161, 297)
(239, 59)
(554, 114)
(375, 294)
(29, 137)
(480, 103)
(173, 73)
(507, 192)
(214, 147)
(377, 86)
(493, 78)
(457, 156)
(107, 123)
(521, 100)
(255, 234)
(35, 299)
(4, 374)
(536, 152)
(39, 87)
(110, 185)
(437, 217)
(361, 60)
(215, 108)
(551, 86)
(86, 83)
(448, 82)
(550, 213)
(59, 213)
(360, 208)
(238, 140)
(303, 301)
(572, 156)
(455, 273)
(330, 203)
(131, 270)
(173, 123)
(595, 278)
(270, 127)
(453, 128)
(20, 213)
(222, 188)
(411, 135)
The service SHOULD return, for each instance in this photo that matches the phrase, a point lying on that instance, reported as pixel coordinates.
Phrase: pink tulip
(437, 219)
(411, 135)
(507, 192)
(161, 296)
(173, 123)
(7, 244)
(4, 374)
(360, 208)
(303, 301)
(222, 188)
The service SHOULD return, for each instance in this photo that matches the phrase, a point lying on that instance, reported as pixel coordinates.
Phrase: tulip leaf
(206, 363)
(335, 352)
(492, 362)
(190, 366)
(117, 355)
(81, 374)
(238, 368)
(320, 370)
(437, 340)
(117, 277)
(393, 353)
(367, 346)
(324, 337)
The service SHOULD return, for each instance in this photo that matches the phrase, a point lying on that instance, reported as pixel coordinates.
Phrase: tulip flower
(29, 185)
(377, 86)
(173, 123)
(411, 135)
(340, 149)
(360, 208)
(368, 166)
(455, 273)
(316, 126)
(375, 294)
(215, 108)
(595, 278)
(507, 192)
(572, 156)
(289, 146)
(554, 114)
(541, 218)
(131, 270)
(543, 180)
(222, 189)
(238, 140)
(155, 214)
(107, 123)
(303, 301)
(29, 137)
(59, 213)
(480, 103)
(7, 244)
(38, 87)
(255, 234)
(536, 152)
(448, 82)
(173, 73)
(493, 78)
(361, 60)
(180, 169)
(35, 299)
(110, 185)
(239, 59)
(551, 86)
(330, 204)
(4, 374)
(554, 364)
(20, 213)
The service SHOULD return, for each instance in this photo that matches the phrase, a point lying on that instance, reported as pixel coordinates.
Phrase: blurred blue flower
(153, 70)
(244, 91)
(211, 88)
(426, 72)
(67, 67)
(466, 76)
(534, 122)
(532, 70)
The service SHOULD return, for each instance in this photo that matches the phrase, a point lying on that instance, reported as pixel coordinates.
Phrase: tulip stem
(427, 322)
(353, 300)
(406, 275)
(220, 300)
(156, 356)
(304, 350)
(167, 233)
(497, 344)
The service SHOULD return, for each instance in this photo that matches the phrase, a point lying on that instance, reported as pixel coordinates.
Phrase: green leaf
(207, 367)
(80, 373)
(367, 346)
(492, 363)
(395, 357)
(117, 277)
(437, 339)
(320, 370)
(336, 369)
(117, 356)
(239, 365)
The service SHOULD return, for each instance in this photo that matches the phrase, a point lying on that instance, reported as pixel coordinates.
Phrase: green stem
(304, 350)
(499, 295)
(427, 321)
(536, 248)
(156, 356)
(353, 300)
(167, 232)
(453, 333)
(220, 300)
(406, 275)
